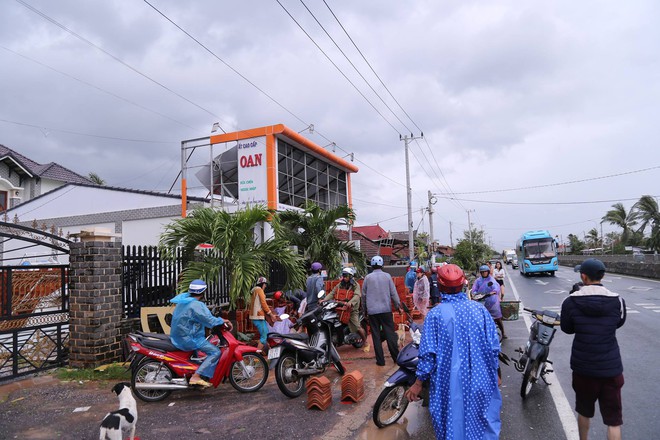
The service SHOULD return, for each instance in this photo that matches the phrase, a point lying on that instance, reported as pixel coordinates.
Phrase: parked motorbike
(344, 336)
(158, 367)
(392, 403)
(300, 355)
(533, 361)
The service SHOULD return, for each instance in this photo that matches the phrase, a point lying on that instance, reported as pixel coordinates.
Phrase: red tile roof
(372, 232)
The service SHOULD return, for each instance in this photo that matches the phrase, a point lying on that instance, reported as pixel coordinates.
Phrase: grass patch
(114, 372)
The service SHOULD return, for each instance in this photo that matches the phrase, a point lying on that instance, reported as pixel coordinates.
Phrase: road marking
(541, 282)
(657, 311)
(644, 304)
(651, 307)
(564, 409)
(556, 292)
(641, 289)
(632, 311)
(606, 281)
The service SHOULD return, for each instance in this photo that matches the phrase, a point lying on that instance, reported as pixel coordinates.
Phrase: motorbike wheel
(289, 386)
(390, 405)
(251, 375)
(339, 367)
(529, 377)
(151, 371)
(358, 344)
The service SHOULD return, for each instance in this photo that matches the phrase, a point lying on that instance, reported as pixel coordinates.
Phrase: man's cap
(590, 267)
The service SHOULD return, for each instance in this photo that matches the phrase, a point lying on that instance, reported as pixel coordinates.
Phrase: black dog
(115, 423)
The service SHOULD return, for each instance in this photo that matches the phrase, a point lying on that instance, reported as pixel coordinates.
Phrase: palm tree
(234, 249)
(313, 232)
(96, 178)
(625, 220)
(649, 216)
(592, 238)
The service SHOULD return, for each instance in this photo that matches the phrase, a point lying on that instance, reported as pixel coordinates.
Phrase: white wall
(144, 232)
(49, 185)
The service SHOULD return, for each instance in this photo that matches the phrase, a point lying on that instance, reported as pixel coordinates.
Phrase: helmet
(277, 295)
(420, 269)
(348, 271)
(261, 280)
(197, 287)
(377, 260)
(484, 268)
(451, 278)
(316, 266)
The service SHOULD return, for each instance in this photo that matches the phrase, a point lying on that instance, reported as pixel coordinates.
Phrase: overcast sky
(509, 95)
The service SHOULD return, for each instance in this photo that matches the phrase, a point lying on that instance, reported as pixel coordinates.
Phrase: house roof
(52, 170)
(110, 188)
(372, 232)
(367, 247)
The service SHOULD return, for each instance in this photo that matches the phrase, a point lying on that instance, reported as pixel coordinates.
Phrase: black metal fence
(149, 279)
(34, 319)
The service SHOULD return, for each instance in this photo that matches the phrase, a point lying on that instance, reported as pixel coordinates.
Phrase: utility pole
(470, 229)
(451, 235)
(432, 201)
(411, 243)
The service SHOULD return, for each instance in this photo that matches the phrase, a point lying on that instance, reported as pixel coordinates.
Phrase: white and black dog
(117, 422)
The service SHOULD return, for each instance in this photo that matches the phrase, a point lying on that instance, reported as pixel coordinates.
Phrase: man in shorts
(593, 314)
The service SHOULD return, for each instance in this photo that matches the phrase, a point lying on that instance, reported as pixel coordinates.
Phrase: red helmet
(277, 295)
(451, 278)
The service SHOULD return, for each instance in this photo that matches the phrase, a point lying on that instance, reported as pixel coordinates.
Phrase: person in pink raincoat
(421, 291)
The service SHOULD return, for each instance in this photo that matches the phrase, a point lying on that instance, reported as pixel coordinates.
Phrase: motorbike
(392, 403)
(481, 297)
(300, 355)
(158, 367)
(533, 361)
(344, 336)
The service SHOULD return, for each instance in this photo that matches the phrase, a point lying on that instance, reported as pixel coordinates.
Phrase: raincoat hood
(183, 298)
(594, 300)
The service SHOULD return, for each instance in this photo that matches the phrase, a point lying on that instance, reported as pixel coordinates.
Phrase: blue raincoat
(458, 353)
(492, 302)
(189, 320)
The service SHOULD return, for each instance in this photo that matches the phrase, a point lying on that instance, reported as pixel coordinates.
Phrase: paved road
(548, 410)
(637, 340)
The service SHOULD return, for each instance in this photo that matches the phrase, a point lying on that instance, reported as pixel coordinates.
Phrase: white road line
(635, 311)
(644, 304)
(652, 307)
(564, 410)
(657, 311)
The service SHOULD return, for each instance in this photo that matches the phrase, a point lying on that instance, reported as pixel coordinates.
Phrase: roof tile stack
(352, 386)
(319, 393)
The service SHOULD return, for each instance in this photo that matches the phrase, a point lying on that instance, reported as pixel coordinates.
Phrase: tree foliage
(234, 249)
(313, 232)
(472, 250)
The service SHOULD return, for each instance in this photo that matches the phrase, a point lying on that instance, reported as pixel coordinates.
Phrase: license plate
(274, 352)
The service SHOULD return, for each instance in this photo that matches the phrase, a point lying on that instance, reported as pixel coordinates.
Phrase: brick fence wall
(95, 303)
(624, 267)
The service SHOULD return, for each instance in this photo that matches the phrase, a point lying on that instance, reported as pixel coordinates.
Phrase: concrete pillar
(95, 301)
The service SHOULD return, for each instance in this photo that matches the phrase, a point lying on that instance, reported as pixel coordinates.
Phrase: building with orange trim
(272, 166)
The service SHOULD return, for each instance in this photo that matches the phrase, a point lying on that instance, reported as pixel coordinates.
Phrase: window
(303, 176)
(3, 201)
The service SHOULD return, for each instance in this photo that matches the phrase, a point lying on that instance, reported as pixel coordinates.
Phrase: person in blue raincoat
(411, 277)
(458, 355)
(488, 285)
(189, 320)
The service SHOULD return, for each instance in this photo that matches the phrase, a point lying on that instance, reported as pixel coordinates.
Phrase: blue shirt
(458, 354)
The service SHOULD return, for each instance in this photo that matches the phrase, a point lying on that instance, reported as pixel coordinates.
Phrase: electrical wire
(583, 202)
(114, 57)
(85, 134)
(337, 67)
(96, 87)
(554, 184)
(355, 68)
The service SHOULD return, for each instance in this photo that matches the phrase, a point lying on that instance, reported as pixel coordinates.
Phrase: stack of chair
(352, 387)
(319, 393)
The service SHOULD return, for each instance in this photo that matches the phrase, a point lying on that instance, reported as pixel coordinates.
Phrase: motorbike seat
(296, 336)
(158, 344)
(162, 336)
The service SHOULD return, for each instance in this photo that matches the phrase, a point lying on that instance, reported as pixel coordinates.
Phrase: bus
(537, 253)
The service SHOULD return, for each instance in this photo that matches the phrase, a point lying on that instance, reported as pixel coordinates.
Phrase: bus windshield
(539, 248)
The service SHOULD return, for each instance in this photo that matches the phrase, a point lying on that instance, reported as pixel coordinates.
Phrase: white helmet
(348, 271)
(377, 260)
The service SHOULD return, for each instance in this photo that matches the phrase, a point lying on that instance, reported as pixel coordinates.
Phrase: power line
(583, 202)
(392, 96)
(355, 68)
(85, 134)
(337, 67)
(117, 59)
(95, 87)
(555, 184)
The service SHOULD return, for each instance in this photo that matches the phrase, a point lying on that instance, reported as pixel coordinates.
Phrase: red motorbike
(158, 367)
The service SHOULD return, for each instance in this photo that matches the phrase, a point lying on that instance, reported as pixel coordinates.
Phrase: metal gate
(34, 300)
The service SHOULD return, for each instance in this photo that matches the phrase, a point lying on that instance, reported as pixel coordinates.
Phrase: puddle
(415, 423)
